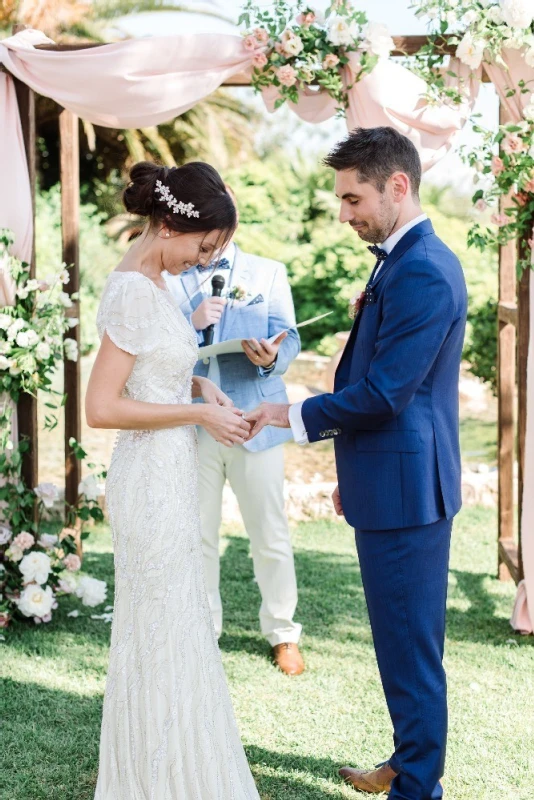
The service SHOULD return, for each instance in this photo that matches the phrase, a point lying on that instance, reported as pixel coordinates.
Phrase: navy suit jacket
(394, 410)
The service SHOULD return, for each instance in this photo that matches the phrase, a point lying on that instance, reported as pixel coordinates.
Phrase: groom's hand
(336, 499)
(276, 414)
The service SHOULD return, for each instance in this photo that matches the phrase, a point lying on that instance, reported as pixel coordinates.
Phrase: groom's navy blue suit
(394, 416)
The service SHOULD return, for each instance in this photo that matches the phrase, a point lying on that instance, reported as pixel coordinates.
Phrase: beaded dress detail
(168, 727)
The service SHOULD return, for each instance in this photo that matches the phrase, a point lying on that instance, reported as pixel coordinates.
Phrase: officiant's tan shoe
(373, 781)
(287, 657)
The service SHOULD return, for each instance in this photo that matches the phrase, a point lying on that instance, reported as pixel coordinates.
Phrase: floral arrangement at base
(294, 47)
(37, 567)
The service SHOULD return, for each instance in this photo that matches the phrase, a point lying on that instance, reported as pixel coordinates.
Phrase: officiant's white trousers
(257, 480)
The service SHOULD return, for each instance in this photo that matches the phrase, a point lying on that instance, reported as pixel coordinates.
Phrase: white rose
(22, 293)
(71, 349)
(15, 553)
(451, 17)
(36, 601)
(529, 57)
(495, 15)
(339, 32)
(72, 322)
(5, 534)
(518, 13)
(64, 276)
(32, 285)
(35, 566)
(48, 493)
(469, 17)
(378, 39)
(453, 3)
(91, 591)
(471, 51)
(89, 487)
(16, 326)
(65, 300)
(513, 42)
(47, 540)
(42, 351)
(27, 338)
(5, 347)
(5, 363)
(432, 12)
(528, 111)
(5, 321)
(67, 582)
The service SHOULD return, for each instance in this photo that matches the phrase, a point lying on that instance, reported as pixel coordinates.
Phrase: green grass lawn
(297, 732)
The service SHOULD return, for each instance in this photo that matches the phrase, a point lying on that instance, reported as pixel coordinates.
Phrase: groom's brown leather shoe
(287, 657)
(373, 781)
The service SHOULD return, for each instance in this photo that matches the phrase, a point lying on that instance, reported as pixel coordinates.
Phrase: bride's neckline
(136, 272)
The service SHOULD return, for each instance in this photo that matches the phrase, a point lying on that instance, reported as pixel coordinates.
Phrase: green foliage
(481, 347)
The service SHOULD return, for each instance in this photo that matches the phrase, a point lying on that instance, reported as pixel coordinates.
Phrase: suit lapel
(239, 274)
(409, 238)
(190, 282)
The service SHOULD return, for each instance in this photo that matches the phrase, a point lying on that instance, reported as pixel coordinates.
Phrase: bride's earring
(167, 235)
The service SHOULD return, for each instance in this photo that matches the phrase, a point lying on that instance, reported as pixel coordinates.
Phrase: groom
(394, 418)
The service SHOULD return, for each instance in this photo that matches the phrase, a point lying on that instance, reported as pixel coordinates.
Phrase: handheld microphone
(217, 285)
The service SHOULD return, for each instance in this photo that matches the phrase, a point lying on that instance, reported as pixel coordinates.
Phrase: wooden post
(70, 194)
(523, 307)
(507, 321)
(27, 405)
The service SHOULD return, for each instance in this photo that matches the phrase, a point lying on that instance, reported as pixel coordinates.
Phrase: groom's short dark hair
(376, 153)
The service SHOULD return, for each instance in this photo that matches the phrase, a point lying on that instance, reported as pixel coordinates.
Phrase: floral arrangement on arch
(295, 46)
(37, 567)
(482, 30)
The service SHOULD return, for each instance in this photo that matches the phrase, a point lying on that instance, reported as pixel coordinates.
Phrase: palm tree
(221, 129)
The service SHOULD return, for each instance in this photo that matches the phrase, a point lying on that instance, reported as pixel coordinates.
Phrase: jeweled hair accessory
(177, 206)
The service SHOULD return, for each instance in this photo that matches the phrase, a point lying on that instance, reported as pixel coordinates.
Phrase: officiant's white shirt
(295, 411)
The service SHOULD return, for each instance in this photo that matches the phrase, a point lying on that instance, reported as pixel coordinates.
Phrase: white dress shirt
(295, 411)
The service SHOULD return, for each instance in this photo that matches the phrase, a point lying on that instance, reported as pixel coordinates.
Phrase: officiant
(255, 304)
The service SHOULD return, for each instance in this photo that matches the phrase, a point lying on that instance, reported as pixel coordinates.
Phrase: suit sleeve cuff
(297, 423)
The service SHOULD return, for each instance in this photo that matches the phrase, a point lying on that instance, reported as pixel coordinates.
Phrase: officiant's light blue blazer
(394, 411)
(267, 310)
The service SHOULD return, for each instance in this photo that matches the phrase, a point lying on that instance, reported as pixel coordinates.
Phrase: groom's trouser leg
(212, 476)
(404, 575)
(257, 480)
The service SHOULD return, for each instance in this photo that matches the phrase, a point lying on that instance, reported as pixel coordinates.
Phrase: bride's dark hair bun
(196, 183)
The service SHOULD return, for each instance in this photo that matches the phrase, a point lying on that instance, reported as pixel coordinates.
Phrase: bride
(168, 728)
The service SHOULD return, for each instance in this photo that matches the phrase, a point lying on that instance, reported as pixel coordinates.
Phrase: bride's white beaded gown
(168, 728)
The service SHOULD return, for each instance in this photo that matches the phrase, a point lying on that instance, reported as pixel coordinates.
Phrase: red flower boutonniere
(355, 305)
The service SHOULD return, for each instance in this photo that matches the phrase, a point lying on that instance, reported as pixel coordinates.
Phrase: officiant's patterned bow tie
(223, 264)
(378, 253)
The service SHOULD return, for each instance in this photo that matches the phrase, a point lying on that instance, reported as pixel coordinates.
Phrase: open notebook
(234, 345)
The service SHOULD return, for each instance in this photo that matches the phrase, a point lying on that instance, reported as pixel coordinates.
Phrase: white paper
(235, 346)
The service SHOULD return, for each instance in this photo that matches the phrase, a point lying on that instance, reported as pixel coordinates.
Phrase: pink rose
(24, 540)
(497, 165)
(521, 198)
(250, 43)
(306, 19)
(279, 49)
(330, 61)
(261, 35)
(481, 205)
(47, 618)
(72, 562)
(259, 59)
(512, 143)
(499, 219)
(286, 75)
(4, 619)
(529, 185)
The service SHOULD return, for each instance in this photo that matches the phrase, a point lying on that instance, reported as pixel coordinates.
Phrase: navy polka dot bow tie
(223, 264)
(378, 253)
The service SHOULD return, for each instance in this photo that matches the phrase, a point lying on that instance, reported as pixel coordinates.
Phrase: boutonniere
(356, 304)
(238, 294)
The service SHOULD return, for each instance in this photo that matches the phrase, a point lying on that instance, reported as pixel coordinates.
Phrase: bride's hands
(226, 425)
(210, 392)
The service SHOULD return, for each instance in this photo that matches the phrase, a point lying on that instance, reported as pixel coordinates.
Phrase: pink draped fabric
(505, 82)
(392, 95)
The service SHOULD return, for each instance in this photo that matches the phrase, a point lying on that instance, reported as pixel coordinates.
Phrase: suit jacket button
(322, 434)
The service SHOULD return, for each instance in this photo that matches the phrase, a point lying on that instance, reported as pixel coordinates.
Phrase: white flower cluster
(489, 26)
(177, 206)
